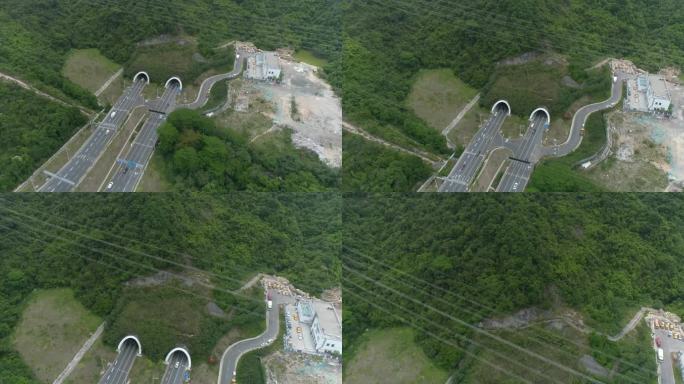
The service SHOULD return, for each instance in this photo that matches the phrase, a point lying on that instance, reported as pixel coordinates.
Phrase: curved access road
(205, 88)
(580, 118)
(232, 354)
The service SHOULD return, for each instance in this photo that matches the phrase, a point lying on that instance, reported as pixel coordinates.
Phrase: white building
(325, 325)
(657, 93)
(263, 66)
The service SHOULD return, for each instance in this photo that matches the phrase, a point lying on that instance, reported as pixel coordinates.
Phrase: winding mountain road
(580, 118)
(208, 84)
(233, 353)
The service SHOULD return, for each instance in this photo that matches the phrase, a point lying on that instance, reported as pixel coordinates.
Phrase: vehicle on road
(113, 114)
(110, 185)
(658, 342)
(661, 355)
(177, 364)
(582, 131)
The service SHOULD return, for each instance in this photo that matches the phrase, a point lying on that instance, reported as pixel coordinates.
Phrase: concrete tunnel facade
(546, 112)
(143, 75)
(133, 338)
(182, 350)
(176, 80)
(502, 102)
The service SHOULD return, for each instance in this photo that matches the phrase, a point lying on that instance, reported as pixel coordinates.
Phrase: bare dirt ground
(648, 153)
(317, 125)
(292, 368)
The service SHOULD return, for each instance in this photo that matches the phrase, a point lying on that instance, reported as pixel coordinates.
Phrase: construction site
(298, 99)
(646, 135)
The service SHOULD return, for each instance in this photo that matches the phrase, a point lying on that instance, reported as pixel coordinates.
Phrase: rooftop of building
(328, 318)
(659, 86)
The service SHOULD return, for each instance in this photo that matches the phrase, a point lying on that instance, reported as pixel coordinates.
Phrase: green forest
(93, 244)
(496, 254)
(199, 156)
(32, 129)
(387, 43)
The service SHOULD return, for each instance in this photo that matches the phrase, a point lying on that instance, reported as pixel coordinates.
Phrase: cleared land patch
(88, 68)
(309, 58)
(53, 327)
(391, 355)
(437, 96)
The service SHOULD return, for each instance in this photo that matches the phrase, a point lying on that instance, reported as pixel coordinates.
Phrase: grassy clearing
(53, 327)
(622, 176)
(514, 127)
(391, 355)
(152, 180)
(308, 57)
(217, 96)
(178, 58)
(540, 83)
(93, 364)
(491, 169)
(437, 96)
(88, 68)
(468, 126)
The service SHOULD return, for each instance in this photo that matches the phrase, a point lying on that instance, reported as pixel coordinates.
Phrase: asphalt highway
(580, 118)
(235, 351)
(473, 157)
(205, 88)
(175, 374)
(117, 373)
(71, 174)
(522, 164)
(129, 170)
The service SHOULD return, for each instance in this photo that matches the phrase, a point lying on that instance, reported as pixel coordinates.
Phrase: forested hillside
(201, 156)
(387, 42)
(494, 255)
(86, 242)
(32, 129)
(48, 30)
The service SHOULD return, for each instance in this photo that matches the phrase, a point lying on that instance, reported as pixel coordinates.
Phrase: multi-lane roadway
(518, 173)
(230, 357)
(129, 170)
(178, 364)
(468, 164)
(71, 174)
(117, 373)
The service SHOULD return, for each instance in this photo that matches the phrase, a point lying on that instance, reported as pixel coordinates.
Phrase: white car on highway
(110, 185)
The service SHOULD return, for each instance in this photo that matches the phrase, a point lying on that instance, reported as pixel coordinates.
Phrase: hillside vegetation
(200, 156)
(497, 254)
(387, 43)
(230, 237)
(32, 128)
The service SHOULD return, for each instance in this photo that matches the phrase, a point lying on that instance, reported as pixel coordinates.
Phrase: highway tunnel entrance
(542, 111)
(130, 339)
(174, 81)
(502, 105)
(183, 352)
(142, 76)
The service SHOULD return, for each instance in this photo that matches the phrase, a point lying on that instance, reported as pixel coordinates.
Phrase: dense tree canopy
(601, 255)
(201, 156)
(32, 128)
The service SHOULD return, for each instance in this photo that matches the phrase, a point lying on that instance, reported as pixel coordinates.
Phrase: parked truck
(269, 301)
(661, 355)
